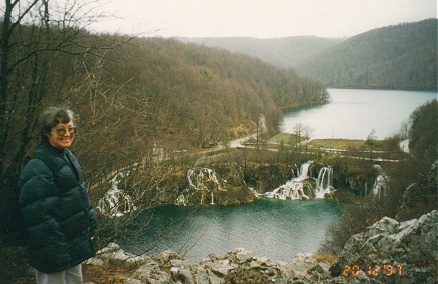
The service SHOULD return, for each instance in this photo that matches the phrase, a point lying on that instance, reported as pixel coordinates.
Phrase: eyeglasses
(61, 131)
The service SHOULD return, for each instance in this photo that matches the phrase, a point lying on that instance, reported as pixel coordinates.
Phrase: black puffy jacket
(58, 214)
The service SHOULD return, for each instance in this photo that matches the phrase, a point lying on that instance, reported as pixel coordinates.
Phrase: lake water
(273, 228)
(277, 229)
(353, 113)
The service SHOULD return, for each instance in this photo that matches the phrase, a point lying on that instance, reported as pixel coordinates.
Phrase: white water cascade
(201, 180)
(324, 182)
(379, 185)
(116, 202)
(381, 182)
(294, 188)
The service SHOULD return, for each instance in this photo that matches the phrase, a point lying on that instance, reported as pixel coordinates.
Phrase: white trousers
(69, 276)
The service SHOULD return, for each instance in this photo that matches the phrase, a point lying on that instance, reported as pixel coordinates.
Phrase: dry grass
(347, 144)
(285, 137)
(325, 256)
(109, 274)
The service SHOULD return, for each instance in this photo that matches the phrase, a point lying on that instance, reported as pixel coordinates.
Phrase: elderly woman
(58, 214)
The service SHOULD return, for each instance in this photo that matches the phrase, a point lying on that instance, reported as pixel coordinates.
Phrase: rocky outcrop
(237, 266)
(392, 252)
(387, 252)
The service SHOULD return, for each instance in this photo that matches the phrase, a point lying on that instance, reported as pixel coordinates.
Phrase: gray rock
(394, 252)
(151, 273)
(387, 252)
(164, 258)
(113, 254)
(132, 281)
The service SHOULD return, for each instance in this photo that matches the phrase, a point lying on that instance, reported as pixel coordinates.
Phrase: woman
(58, 214)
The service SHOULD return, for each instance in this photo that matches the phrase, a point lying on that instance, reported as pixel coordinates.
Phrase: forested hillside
(282, 52)
(137, 95)
(207, 91)
(394, 57)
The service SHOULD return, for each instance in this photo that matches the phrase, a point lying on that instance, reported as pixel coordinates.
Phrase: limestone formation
(387, 252)
(393, 252)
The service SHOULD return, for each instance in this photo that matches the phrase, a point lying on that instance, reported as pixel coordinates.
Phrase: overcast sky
(261, 18)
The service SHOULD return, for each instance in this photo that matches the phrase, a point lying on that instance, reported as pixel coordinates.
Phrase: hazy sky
(261, 18)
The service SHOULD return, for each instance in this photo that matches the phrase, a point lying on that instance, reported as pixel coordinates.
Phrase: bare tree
(370, 142)
(298, 131)
(404, 129)
(39, 41)
(308, 132)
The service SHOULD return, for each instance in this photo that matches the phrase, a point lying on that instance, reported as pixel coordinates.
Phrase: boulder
(391, 251)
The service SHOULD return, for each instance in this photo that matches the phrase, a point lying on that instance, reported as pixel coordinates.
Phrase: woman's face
(62, 135)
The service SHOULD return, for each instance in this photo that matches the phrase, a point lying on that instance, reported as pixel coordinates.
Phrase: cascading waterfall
(116, 202)
(202, 180)
(203, 183)
(256, 194)
(294, 188)
(324, 182)
(380, 183)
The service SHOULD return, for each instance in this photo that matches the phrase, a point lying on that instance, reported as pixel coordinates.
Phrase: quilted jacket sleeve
(38, 198)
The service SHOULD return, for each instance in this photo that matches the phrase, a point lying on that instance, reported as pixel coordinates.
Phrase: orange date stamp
(373, 270)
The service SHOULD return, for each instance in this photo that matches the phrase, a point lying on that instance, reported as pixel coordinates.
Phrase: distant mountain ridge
(403, 56)
(395, 57)
(282, 52)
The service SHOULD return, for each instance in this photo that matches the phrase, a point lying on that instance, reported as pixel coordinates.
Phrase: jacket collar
(49, 149)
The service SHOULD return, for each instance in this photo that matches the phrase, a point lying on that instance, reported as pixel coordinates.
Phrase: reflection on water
(277, 229)
(353, 114)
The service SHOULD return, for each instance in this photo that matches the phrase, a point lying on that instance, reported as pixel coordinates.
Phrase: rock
(151, 273)
(164, 258)
(387, 252)
(132, 281)
(240, 255)
(405, 252)
(114, 255)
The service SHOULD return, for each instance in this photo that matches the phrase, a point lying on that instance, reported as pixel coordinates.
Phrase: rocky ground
(387, 252)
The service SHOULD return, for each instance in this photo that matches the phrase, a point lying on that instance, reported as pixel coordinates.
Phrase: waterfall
(198, 177)
(181, 201)
(203, 181)
(256, 194)
(116, 202)
(304, 171)
(294, 188)
(324, 182)
(380, 183)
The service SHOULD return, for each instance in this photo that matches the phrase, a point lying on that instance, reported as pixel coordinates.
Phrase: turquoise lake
(277, 229)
